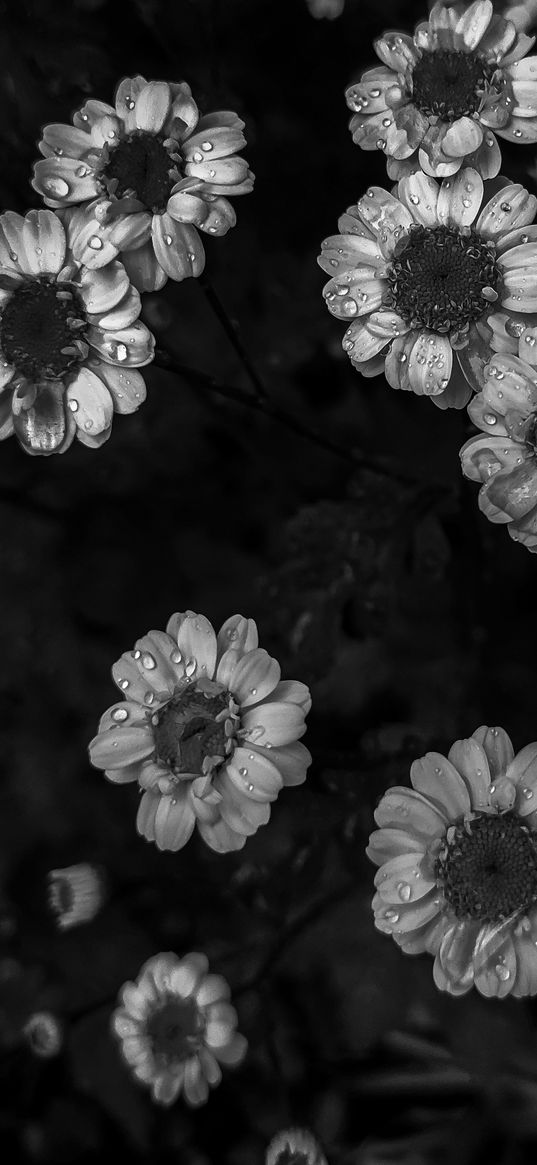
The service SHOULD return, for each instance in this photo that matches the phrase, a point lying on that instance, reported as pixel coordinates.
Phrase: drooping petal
(255, 774)
(462, 137)
(220, 837)
(195, 638)
(127, 388)
(178, 247)
(254, 677)
(498, 748)
(101, 290)
(276, 723)
(512, 206)
(405, 878)
(403, 808)
(64, 181)
(174, 819)
(125, 100)
(121, 746)
(143, 268)
(474, 22)
(42, 428)
(460, 198)
(152, 105)
(388, 843)
(90, 402)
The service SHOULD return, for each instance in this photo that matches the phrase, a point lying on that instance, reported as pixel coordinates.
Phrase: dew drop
(149, 697)
(375, 92)
(502, 972)
(137, 654)
(121, 352)
(197, 156)
(414, 199)
(124, 684)
(404, 891)
(391, 915)
(57, 187)
(120, 714)
(207, 146)
(95, 243)
(527, 794)
(130, 103)
(253, 691)
(490, 418)
(190, 667)
(148, 661)
(168, 240)
(380, 143)
(73, 405)
(243, 772)
(466, 202)
(506, 207)
(176, 656)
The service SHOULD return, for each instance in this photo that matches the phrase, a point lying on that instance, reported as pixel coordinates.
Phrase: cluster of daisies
(436, 277)
(129, 187)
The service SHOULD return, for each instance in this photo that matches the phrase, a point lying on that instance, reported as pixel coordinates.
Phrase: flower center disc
(140, 165)
(174, 1029)
(187, 730)
(38, 326)
(438, 277)
(449, 84)
(489, 868)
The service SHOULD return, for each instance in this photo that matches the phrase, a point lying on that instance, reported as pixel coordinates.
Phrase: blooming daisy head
(458, 865)
(147, 174)
(70, 338)
(294, 1147)
(504, 459)
(421, 269)
(439, 95)
(207, 729)
(176, 1026)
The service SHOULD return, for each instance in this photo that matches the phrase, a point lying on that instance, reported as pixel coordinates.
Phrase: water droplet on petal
(149, 697)
(95, 243)
(391, 915)
(527, 794)
(121, 352)
(207, 146)
(148, 661)
(502, 972)
(176, 656)
(124, 684)
(506, 207)
(490, 418)
(168, 240)
(130, 103)
(243, 772)
(120, 714)
(190, 667)
(73, 405)
(404, 891)
(56, 187)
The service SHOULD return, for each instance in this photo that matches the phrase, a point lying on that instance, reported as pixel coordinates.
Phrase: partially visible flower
(176, 1027)
(75, 894)
(422, 268)
(43, 1034)
(70, 339)
(294, 1147)
(147, 175)
(328, 9)
(439, 95)
(505, 459)
(206, 728)
(458, 865)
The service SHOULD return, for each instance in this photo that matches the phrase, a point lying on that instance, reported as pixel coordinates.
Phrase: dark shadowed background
(412, 619)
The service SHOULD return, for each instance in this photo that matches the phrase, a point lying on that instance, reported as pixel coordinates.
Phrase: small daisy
(421, 268)
(294, 1147)
(43, 1034)
(458, 865)
(70, 339)
(439, 95)
(147, 175)
(505, 459)
(75, 894)
(206, 728)
(176, 1026)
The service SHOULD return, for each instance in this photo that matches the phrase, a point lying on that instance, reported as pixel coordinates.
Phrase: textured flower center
(174, 1030)
(39, 329)
(190, 731)
(141, 166)
(449, 84)
(442, 279)
(489, 867)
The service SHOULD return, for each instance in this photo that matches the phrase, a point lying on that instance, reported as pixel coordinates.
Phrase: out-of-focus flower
(422, 268)
(146, 174)
(70, 339)
(75, 894)
(294, 1147)
(176, 1027)
(208, 730)
(458, 865)
(328, 9)
(505, 459)
(43, 1034)
(439, 95)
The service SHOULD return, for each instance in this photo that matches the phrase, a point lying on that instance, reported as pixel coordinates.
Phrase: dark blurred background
(412, 619)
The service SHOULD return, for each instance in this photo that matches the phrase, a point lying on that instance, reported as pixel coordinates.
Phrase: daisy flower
(294, 1147)
(176, 1026)
(146, 174)
(75, 894)
(206, 728)
(458, 865)
(70, 339)
(438, 96)
(505, 458)
(421, 269)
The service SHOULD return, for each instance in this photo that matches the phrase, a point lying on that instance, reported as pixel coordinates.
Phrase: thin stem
(232, 334)
(203, 380)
